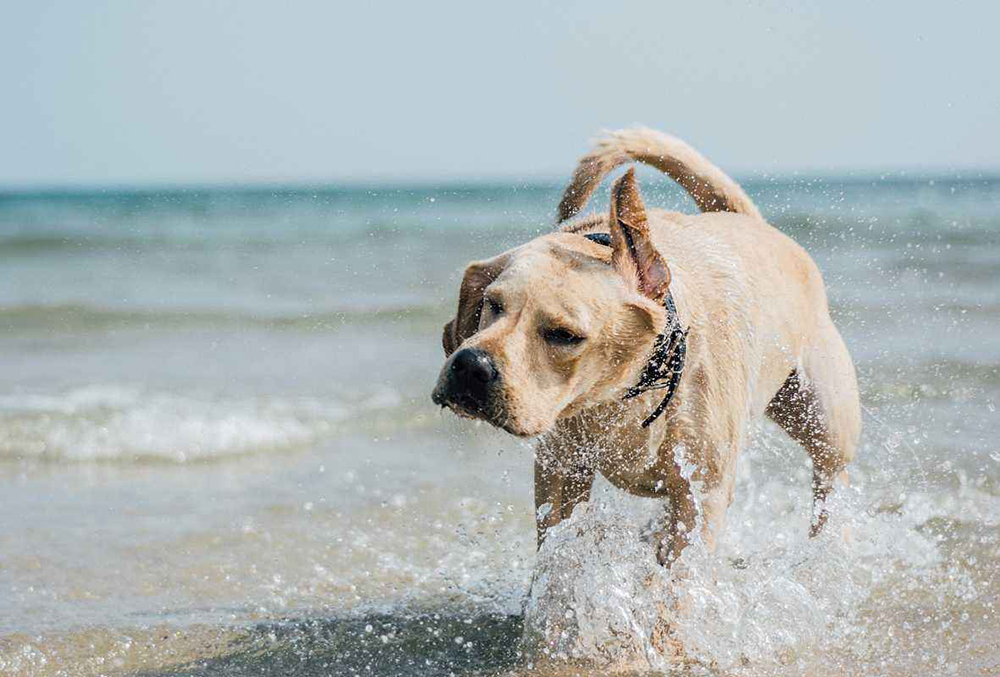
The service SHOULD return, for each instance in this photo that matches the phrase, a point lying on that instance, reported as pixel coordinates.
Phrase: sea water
(218, 454)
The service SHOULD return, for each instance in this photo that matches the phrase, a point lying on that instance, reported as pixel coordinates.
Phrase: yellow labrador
(641, 344)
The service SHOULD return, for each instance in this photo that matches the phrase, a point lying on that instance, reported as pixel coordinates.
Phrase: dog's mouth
(470, 409)
(465, 407)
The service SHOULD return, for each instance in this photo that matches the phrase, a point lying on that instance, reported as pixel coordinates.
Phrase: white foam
(114, 422)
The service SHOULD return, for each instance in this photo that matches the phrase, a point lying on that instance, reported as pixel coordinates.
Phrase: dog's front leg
(561, 482)
(685, 514)
(680, 519)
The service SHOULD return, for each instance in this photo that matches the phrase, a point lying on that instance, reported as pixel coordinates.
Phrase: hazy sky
(178, 92)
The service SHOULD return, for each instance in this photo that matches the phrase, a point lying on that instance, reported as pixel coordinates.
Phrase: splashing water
(768, 595)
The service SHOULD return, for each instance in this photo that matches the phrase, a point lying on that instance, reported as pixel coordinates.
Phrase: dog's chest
(644, 468)
(635, 459)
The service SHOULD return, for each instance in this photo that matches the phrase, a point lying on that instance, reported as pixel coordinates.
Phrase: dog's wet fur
(549, 335)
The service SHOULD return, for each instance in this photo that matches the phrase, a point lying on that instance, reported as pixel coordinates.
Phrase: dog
(642, 343)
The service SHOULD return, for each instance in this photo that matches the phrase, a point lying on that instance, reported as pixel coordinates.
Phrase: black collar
(664, 369)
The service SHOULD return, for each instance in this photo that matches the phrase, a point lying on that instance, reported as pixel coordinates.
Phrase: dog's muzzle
(469, 382)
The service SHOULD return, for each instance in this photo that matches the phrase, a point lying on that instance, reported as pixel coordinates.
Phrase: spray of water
(768, 595)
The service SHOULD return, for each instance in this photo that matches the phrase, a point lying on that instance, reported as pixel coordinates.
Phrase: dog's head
(556, 325)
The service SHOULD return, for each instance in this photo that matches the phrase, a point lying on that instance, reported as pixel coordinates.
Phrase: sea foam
(124, 423)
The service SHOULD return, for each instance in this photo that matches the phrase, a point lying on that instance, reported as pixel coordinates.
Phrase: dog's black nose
(474, 364)
(470, 378)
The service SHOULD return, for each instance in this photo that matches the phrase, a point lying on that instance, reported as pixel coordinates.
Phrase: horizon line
(396, 184)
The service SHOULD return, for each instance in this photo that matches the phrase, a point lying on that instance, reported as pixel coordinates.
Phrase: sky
(214, 92)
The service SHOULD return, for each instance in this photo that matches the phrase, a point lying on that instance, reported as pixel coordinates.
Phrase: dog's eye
(495, 306)
(561, 337)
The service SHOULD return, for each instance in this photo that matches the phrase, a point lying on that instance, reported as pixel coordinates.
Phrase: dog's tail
(711, 189)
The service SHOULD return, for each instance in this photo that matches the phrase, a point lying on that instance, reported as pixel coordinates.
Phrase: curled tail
(711, 189)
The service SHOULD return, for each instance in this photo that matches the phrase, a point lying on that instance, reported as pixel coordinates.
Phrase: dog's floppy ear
(632, 252)
(478, 276)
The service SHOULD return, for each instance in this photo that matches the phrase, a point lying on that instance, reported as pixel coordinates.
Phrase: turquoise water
(215, 427)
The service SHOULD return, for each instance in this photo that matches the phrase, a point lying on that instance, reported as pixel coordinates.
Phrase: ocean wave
(83, 317)
(127, 424)
(30, 244)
